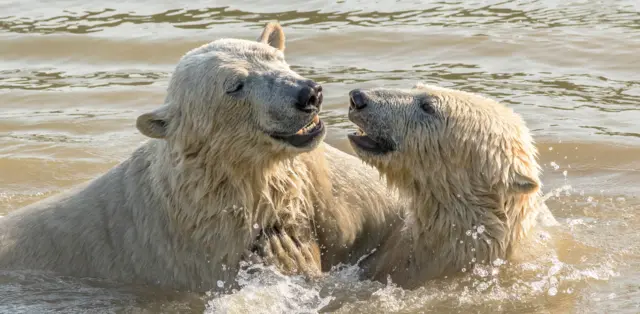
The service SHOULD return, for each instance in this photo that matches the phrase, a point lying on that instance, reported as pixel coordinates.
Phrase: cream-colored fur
(468, 166)
(187, 206)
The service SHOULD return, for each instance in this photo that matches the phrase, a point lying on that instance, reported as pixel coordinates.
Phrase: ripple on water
(32, 79)
(75, 75)
(545, 14)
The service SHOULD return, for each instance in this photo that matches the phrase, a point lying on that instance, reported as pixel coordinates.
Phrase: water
(74, 75)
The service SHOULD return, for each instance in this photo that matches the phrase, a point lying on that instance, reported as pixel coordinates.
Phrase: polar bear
(235, 159)
(468, 166)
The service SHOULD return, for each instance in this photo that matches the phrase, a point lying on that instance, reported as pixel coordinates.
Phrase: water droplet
(564, 173)
(468, 233)
(473, 260)
(220, 283)
(552, 291)
(474, 235)
(473, 249)
(256, 226)
(480, 272)
(550, 147)
(481, 229)
(461, 241)
(464, 270)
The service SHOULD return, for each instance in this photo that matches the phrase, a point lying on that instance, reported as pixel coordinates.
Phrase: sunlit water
(74, 75)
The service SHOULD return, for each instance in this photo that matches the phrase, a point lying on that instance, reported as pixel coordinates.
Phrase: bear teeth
(360, 132)
(310, 126)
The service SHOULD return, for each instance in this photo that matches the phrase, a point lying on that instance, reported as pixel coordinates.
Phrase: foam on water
(265, 290)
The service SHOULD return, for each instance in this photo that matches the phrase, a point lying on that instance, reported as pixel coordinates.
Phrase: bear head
(239, 98)
(445, 142)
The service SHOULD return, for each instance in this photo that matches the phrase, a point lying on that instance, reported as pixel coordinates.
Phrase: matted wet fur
(235, 159)
(467, 164)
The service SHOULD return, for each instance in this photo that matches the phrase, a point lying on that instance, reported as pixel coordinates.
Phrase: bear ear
(273, 35)
(523, 184)
(154, 123)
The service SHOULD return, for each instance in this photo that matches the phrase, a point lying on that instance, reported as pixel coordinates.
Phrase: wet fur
(190, 204)
(466, 162)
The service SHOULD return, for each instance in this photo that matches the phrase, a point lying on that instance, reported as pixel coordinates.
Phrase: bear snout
(357, 100)
(310, 97)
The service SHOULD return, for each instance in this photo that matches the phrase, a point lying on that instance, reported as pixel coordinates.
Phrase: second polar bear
(468, 166)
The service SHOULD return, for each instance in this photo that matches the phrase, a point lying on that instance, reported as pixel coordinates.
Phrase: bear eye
(236, 88)
(427, 106)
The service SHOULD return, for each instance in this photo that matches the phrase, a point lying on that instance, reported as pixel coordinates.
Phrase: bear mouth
(361, 140)
(305, 136)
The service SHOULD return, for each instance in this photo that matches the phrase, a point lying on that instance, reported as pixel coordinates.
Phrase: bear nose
(356, 100)
(310, 97)
(317, 87)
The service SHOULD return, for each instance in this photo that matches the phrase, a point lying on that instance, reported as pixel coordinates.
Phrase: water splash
(556, 192)
(265, 290)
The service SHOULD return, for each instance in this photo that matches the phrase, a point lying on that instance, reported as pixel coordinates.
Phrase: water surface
(74, 75)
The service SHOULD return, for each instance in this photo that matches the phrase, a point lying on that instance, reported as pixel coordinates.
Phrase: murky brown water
(74, 75)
